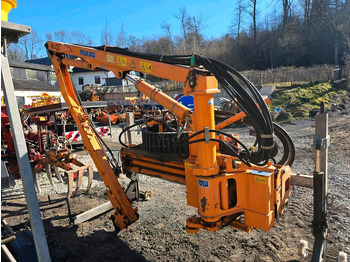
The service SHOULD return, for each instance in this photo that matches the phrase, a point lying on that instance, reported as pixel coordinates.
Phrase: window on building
(31, 74)
(53, 77)
(97, 80)
(80, 80)
(20, 100)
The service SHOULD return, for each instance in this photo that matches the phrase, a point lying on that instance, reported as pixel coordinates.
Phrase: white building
(31, 81)
(81, 77)
(99, 77)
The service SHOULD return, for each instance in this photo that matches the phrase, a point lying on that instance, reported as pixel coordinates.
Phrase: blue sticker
(87, 53)
(203, 183)
(260, 173)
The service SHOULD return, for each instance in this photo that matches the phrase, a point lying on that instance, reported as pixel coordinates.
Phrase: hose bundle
(240, 90)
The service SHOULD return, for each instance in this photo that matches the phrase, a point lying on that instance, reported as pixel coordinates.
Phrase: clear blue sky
(141, 18)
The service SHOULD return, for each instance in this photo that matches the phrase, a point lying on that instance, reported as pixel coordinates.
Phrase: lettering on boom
(87, 53)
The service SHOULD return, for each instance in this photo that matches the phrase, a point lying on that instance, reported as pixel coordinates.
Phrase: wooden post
(129, 122)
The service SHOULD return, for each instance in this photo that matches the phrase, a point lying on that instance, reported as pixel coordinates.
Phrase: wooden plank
(302, 180)
(92, 213)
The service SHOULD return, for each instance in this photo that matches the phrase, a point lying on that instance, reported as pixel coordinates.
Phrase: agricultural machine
(47, 151)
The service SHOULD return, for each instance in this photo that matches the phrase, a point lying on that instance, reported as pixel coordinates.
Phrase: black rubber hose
(261, 118)
(288, 146)
(227, 145)
(223, 133)
(129, 127)
(126, 129)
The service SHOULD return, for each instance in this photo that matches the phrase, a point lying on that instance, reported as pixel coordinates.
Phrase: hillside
(303, 100)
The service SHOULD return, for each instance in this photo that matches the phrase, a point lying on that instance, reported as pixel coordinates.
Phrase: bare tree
(194, 26)
(306, 5)
(15, 53)
(122, 36)
(253, 13)
(62, 36)
(49, 37)
(106, 35)
(237, 26)
(182, 16)
(75, 37)
(32, 45)
(286, 10)
(167, 42)
(134, 43)
(79, 38)
(167, 28)
(240, 18)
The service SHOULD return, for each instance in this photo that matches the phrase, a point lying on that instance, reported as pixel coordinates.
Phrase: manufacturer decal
(87, 53)
(260, 179)
(203, 183)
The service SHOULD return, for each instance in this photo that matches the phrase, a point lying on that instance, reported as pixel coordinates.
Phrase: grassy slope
(299, 100)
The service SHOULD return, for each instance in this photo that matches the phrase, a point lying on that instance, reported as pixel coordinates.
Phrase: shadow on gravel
(71, 243)
(99, 246)
(18, 209)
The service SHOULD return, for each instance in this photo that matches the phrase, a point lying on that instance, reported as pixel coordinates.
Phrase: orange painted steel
(235, 118)
(220, 186)
(117, 63)
(254, 193)
(206, 165)
(163, 99)
(125, 214)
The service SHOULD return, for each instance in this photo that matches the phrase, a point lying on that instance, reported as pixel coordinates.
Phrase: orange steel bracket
(235, 118)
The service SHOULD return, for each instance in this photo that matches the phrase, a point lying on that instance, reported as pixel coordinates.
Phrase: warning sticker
(132, 65)
(188, 165)
(121, 60)
(110, 58)
(260, 179)
(146, 67)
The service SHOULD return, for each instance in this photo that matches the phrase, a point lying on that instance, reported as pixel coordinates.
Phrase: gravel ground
(159, 234)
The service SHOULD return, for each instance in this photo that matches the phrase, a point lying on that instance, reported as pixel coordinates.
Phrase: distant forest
(297, 33)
